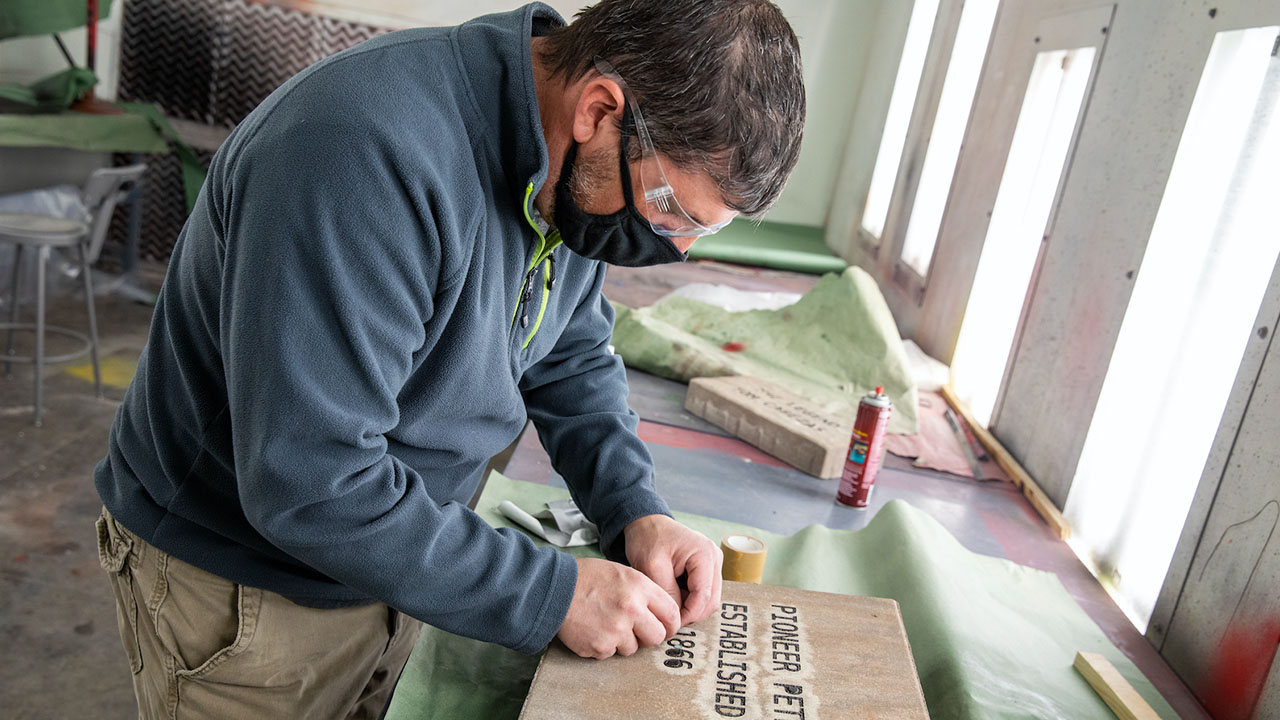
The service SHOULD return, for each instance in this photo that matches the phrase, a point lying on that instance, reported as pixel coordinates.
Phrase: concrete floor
(57, 614)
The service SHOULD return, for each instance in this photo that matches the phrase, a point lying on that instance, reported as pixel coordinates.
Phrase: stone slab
(769, 653)
(775, 420)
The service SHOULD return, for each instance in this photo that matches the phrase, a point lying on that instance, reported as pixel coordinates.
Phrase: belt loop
(113, 546)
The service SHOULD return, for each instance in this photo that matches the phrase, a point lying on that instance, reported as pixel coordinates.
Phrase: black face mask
(622, 238)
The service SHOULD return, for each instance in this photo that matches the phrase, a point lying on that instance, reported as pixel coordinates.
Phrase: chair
(105, 189)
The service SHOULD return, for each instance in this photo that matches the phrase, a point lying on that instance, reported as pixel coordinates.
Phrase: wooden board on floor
(775, 420)
(767, 652)
(1116, 692)
(1041, 502)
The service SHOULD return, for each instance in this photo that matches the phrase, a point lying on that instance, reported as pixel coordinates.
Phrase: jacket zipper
(543, 256)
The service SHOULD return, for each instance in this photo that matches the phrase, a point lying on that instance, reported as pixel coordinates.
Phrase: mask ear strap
(624, 166)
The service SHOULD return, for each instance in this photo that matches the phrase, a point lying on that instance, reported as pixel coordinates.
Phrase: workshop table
(702, 470)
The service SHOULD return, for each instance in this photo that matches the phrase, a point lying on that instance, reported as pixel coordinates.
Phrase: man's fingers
(627, 645)
(663, 575)
(650, 631)
(666, 611)
(701, 573)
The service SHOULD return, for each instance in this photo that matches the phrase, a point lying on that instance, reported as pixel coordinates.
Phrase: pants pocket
(114, 547)
(248, 608)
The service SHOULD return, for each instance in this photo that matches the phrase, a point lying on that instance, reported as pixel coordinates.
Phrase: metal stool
(106, 188)
(42, 232)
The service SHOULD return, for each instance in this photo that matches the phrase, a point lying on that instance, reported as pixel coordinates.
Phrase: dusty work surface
(769, 652)
(990, 638)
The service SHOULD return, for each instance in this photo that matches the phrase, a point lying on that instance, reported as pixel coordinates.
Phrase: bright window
(905, 86)
(1037, 156)
(1211, 253)
(949, 125)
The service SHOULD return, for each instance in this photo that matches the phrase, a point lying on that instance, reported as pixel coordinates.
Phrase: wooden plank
(767, 652)
(1116, 692)
(1041, 502)
(775, 420)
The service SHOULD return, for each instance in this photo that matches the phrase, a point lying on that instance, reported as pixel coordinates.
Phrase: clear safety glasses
(661, 209)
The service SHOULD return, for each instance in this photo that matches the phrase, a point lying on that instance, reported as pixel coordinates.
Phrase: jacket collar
(496, 60)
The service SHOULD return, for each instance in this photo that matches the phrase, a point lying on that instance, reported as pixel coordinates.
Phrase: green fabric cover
(777, 245)
(43, 17)
(50, 94)
(82, 131)
(838, 342)
(991, 639)
(141, 129)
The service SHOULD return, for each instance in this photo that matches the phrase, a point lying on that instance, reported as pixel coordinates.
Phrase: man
(396, 260)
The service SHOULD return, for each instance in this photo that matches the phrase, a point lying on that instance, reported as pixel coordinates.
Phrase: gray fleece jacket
(358, 314)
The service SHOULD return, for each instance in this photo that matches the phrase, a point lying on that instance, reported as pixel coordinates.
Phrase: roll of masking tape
(743, 558)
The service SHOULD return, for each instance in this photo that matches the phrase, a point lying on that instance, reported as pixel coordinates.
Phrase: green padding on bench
(991, 639)
(774, 245)
(81, 131)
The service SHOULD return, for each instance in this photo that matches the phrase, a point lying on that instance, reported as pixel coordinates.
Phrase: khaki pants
(201, 646)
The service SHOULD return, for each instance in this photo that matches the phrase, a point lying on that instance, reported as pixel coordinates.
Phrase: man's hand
(664, 550)
(616, 609)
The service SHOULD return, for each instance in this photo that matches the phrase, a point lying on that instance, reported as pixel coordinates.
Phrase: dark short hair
(718, 82)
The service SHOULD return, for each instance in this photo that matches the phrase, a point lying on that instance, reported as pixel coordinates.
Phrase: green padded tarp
(51, 94)
(835, 344)
(82, 131)
(768, 244)
(43, 17)
(991, 639)
(140, 128)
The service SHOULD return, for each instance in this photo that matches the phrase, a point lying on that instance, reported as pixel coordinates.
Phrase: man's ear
(599, 109)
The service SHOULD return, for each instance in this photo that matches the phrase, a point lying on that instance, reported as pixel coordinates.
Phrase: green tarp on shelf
(991, 639)
(769, 244)
(835, 344)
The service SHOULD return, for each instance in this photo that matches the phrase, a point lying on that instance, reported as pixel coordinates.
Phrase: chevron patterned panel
(212, 61)
(261, 46)
(166, 55)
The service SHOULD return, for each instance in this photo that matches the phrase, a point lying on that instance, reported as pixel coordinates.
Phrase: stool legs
(93, 319)
(13, 304)
(42, 259)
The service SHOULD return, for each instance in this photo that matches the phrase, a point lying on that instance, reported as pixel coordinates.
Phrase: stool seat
(34, 229)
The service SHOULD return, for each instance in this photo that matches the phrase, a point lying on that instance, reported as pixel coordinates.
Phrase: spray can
(866, 448)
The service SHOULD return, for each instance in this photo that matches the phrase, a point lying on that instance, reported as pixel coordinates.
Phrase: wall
(836, 40)
(1217, 621)
(1146, 79)
(866, 126)
(1140, 103)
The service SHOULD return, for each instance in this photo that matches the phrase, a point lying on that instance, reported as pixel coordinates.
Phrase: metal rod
(65, 52)
(133, 237)
(93, 318)
(13, 306)
(42, 259)
(91, 38)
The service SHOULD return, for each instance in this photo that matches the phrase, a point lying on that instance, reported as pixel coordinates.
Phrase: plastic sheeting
(991, 639)
(838, 342)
